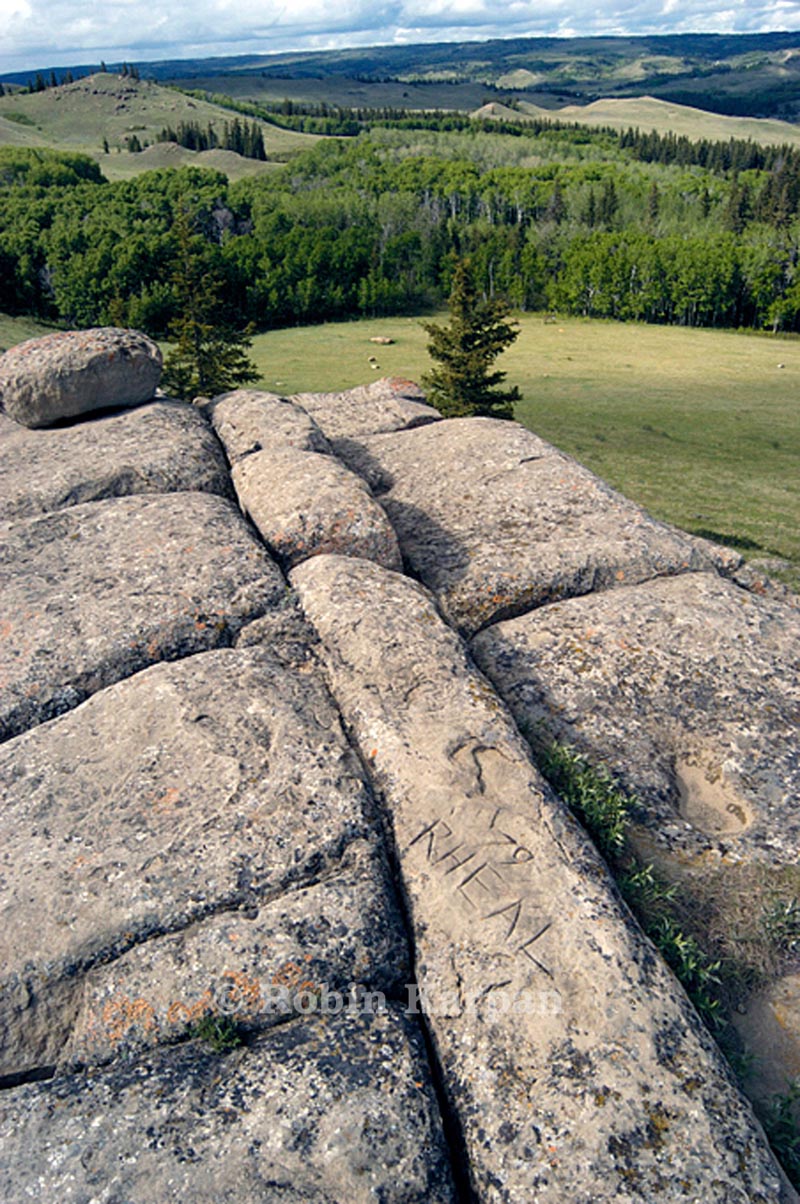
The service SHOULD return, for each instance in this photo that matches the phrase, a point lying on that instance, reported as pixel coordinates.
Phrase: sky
(45, 33)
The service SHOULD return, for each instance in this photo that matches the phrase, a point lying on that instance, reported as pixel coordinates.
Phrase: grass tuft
(220, 1033)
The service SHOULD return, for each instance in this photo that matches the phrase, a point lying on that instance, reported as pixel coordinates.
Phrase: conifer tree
(464, 384)
(208, 355)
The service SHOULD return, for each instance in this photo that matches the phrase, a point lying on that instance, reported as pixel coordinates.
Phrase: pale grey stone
(140, 830)
(247, 421)
(318, 1111)
(573, 1062)
(68, 373)
(98, 591)
(687, 689)
(165, 447)
(388, 404)
(327, 945)
(304, 503)
(496, 521)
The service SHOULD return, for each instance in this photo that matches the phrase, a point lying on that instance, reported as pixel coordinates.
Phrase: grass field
(700, 426)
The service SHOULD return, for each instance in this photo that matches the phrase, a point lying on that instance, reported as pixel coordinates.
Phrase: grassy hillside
(79, 116)
(649, 113)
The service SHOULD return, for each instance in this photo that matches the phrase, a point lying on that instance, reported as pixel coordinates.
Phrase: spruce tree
(464, 384)
(208, 355)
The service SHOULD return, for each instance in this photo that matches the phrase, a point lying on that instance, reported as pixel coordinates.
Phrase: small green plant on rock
(780, 1121)
(219, 1032)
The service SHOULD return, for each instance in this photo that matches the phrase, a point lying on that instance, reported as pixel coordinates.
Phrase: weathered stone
(573, 1063)
(165, 447)
(687, 689)
(71, 372)
(302, 500)
(315, 1112)
(142, 827)
(511, 523)
(339, 939)
(389, 404)
(770, 1028)
(304, 503)
(248, 421)
(98, 591)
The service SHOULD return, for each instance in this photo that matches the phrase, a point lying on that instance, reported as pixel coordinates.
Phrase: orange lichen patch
(6, 628)
(81, 861)
(620, 575)
(122, 1013)
(291, 975)
(244, 992)
(179, 1012)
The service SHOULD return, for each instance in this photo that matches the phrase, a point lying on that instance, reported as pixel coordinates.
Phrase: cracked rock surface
(286, 911)
(511, 523)
(553, 1020)
(302, 500)
(688, 689)
(165, 447)
(96, 592)
(317, 1112)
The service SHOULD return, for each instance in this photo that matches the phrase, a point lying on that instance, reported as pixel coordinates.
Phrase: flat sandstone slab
(315, 1112)
(571, 1058)
(163, 817)
(496, 521)
(687, 689)
(320, 946)
(165, 447)
(96, 592)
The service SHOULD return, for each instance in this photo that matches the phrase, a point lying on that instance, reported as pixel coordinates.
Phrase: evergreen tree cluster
(244, 137)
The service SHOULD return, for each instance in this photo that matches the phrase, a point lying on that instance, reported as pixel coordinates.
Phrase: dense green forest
(626, 226)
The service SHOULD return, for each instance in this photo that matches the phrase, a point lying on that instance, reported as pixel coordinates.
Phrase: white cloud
(41, 33)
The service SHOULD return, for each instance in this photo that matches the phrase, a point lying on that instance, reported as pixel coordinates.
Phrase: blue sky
(43, 33)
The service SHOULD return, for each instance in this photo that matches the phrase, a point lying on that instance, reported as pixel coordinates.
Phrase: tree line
(372, 226)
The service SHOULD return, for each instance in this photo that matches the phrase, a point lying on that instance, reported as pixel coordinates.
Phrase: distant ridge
(650, 113)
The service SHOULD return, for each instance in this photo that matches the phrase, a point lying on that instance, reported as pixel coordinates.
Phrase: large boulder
(165, 447)
(71, 372)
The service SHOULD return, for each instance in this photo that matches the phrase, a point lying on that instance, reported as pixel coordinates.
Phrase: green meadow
(700, 426)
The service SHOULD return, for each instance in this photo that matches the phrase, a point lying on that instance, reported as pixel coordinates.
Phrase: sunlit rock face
(288, 911)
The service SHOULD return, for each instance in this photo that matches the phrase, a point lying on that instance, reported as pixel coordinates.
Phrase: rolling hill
(649, 113)
(81, 115)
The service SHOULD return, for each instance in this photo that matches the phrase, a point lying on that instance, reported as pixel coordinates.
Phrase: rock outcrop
(288, 912)
(71, 372)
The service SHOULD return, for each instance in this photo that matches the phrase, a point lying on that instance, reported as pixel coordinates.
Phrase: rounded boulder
(69, 373)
